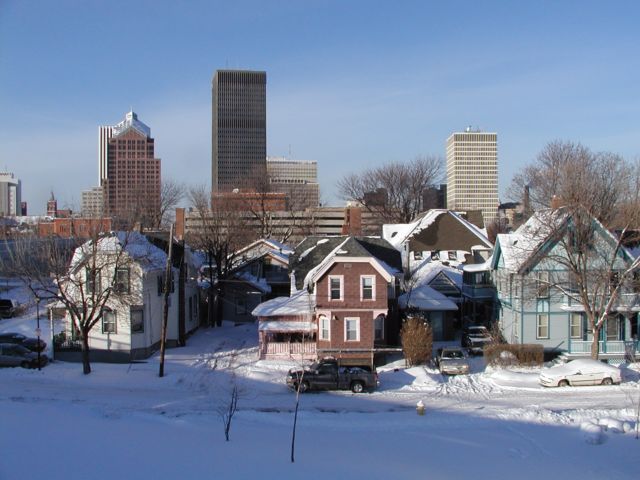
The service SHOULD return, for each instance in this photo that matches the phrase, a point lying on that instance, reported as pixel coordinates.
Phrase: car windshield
(20, 349)
(452, 354)
(478, 331)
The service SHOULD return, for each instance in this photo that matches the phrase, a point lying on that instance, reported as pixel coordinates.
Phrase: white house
(128, 267)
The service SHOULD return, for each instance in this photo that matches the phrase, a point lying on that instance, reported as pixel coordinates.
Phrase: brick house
(352, 283)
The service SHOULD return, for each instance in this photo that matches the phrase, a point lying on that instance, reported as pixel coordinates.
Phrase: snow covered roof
(428, 270)
(397, 234)
(300, 303)
(315, 253)
(285, 326)
(427, 299)
(135, 245)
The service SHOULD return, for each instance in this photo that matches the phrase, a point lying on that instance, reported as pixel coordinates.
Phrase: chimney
(556, 202)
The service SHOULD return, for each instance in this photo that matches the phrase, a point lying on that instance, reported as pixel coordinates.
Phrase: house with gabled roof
(538, 295)
(435, 249)
(351, 284)
(259, 273)
(130, 320)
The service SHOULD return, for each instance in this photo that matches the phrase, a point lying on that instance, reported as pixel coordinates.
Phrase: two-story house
(128, 270)
(539, 294)
(343, 297)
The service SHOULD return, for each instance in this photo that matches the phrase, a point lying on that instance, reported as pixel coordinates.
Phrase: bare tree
(221, 232)
(228, 410)
(171, 193)
(597, 182)
(83, 283)
(394, 190)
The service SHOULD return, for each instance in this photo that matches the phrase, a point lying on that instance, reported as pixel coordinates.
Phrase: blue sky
(350, 84)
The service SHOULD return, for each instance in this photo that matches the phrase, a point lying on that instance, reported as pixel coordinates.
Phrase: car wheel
(607, 381)
(563, 383)
(304, 387)
(357, 387)
(25, 365)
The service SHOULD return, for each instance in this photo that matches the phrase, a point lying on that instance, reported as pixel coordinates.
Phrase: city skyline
(350, 85)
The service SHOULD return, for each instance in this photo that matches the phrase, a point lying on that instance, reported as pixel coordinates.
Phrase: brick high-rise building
(472, 172)
(239, 134)
(129, 172)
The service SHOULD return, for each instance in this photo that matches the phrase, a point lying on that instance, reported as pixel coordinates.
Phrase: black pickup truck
(328, 375)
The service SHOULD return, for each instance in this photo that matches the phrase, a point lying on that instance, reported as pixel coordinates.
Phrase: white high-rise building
(472, 172)
(10, 193)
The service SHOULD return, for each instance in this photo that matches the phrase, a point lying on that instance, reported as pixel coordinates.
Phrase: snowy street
(493, 422)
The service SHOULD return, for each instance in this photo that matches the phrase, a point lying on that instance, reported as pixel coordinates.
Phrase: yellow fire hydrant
(420, 407)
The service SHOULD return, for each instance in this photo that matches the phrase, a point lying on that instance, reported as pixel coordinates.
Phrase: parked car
(452, 361)
(32, 344)
(475, 337)
(328, 375)
(580, 372)
(13, 355)
(7, 308)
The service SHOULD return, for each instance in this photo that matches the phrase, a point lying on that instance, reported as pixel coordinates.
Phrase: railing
(609, 346)
(68, 345)
(287, 348)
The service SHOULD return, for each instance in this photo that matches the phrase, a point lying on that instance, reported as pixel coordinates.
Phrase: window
(352, 329)
(121, 283)
(542, 284)
(324, 328)
(109, 321)
(335, 287)
(435, 255)
(367, 288)
(575, 325)
(453, 255)
(93, 280)
(241, 306)
(378, 326)
(137, 319)
(542, 327)
(161, 284)
(613, 328)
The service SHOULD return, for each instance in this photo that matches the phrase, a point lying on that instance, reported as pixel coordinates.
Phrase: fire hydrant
(420, 407)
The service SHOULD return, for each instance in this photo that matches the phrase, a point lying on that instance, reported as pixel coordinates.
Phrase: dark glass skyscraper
(239, 133)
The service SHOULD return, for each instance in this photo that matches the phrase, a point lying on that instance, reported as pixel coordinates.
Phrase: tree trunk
(86, 366)
(595, 344)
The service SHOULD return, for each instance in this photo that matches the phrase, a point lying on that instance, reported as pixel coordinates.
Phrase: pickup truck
(328, 375)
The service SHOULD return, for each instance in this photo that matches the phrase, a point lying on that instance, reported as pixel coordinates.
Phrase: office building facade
(10, 195)
(239, 134)
(130, 175)
(472, 172)
(298, 179)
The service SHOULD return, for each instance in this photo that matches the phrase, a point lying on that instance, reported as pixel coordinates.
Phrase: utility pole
(165, 310)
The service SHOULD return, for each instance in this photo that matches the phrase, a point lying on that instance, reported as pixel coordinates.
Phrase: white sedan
(580, 372)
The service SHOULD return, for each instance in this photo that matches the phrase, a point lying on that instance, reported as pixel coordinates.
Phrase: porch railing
(608, 346)
(287, 348)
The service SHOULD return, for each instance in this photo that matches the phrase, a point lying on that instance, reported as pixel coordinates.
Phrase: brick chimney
(556, 202)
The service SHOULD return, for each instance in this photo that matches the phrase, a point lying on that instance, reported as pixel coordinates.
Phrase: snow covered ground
(123, 421)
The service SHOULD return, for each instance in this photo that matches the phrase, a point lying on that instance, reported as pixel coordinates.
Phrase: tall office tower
(472, 172)
(129, 172)
(296, 178)
(10, 192)
(239, 134)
